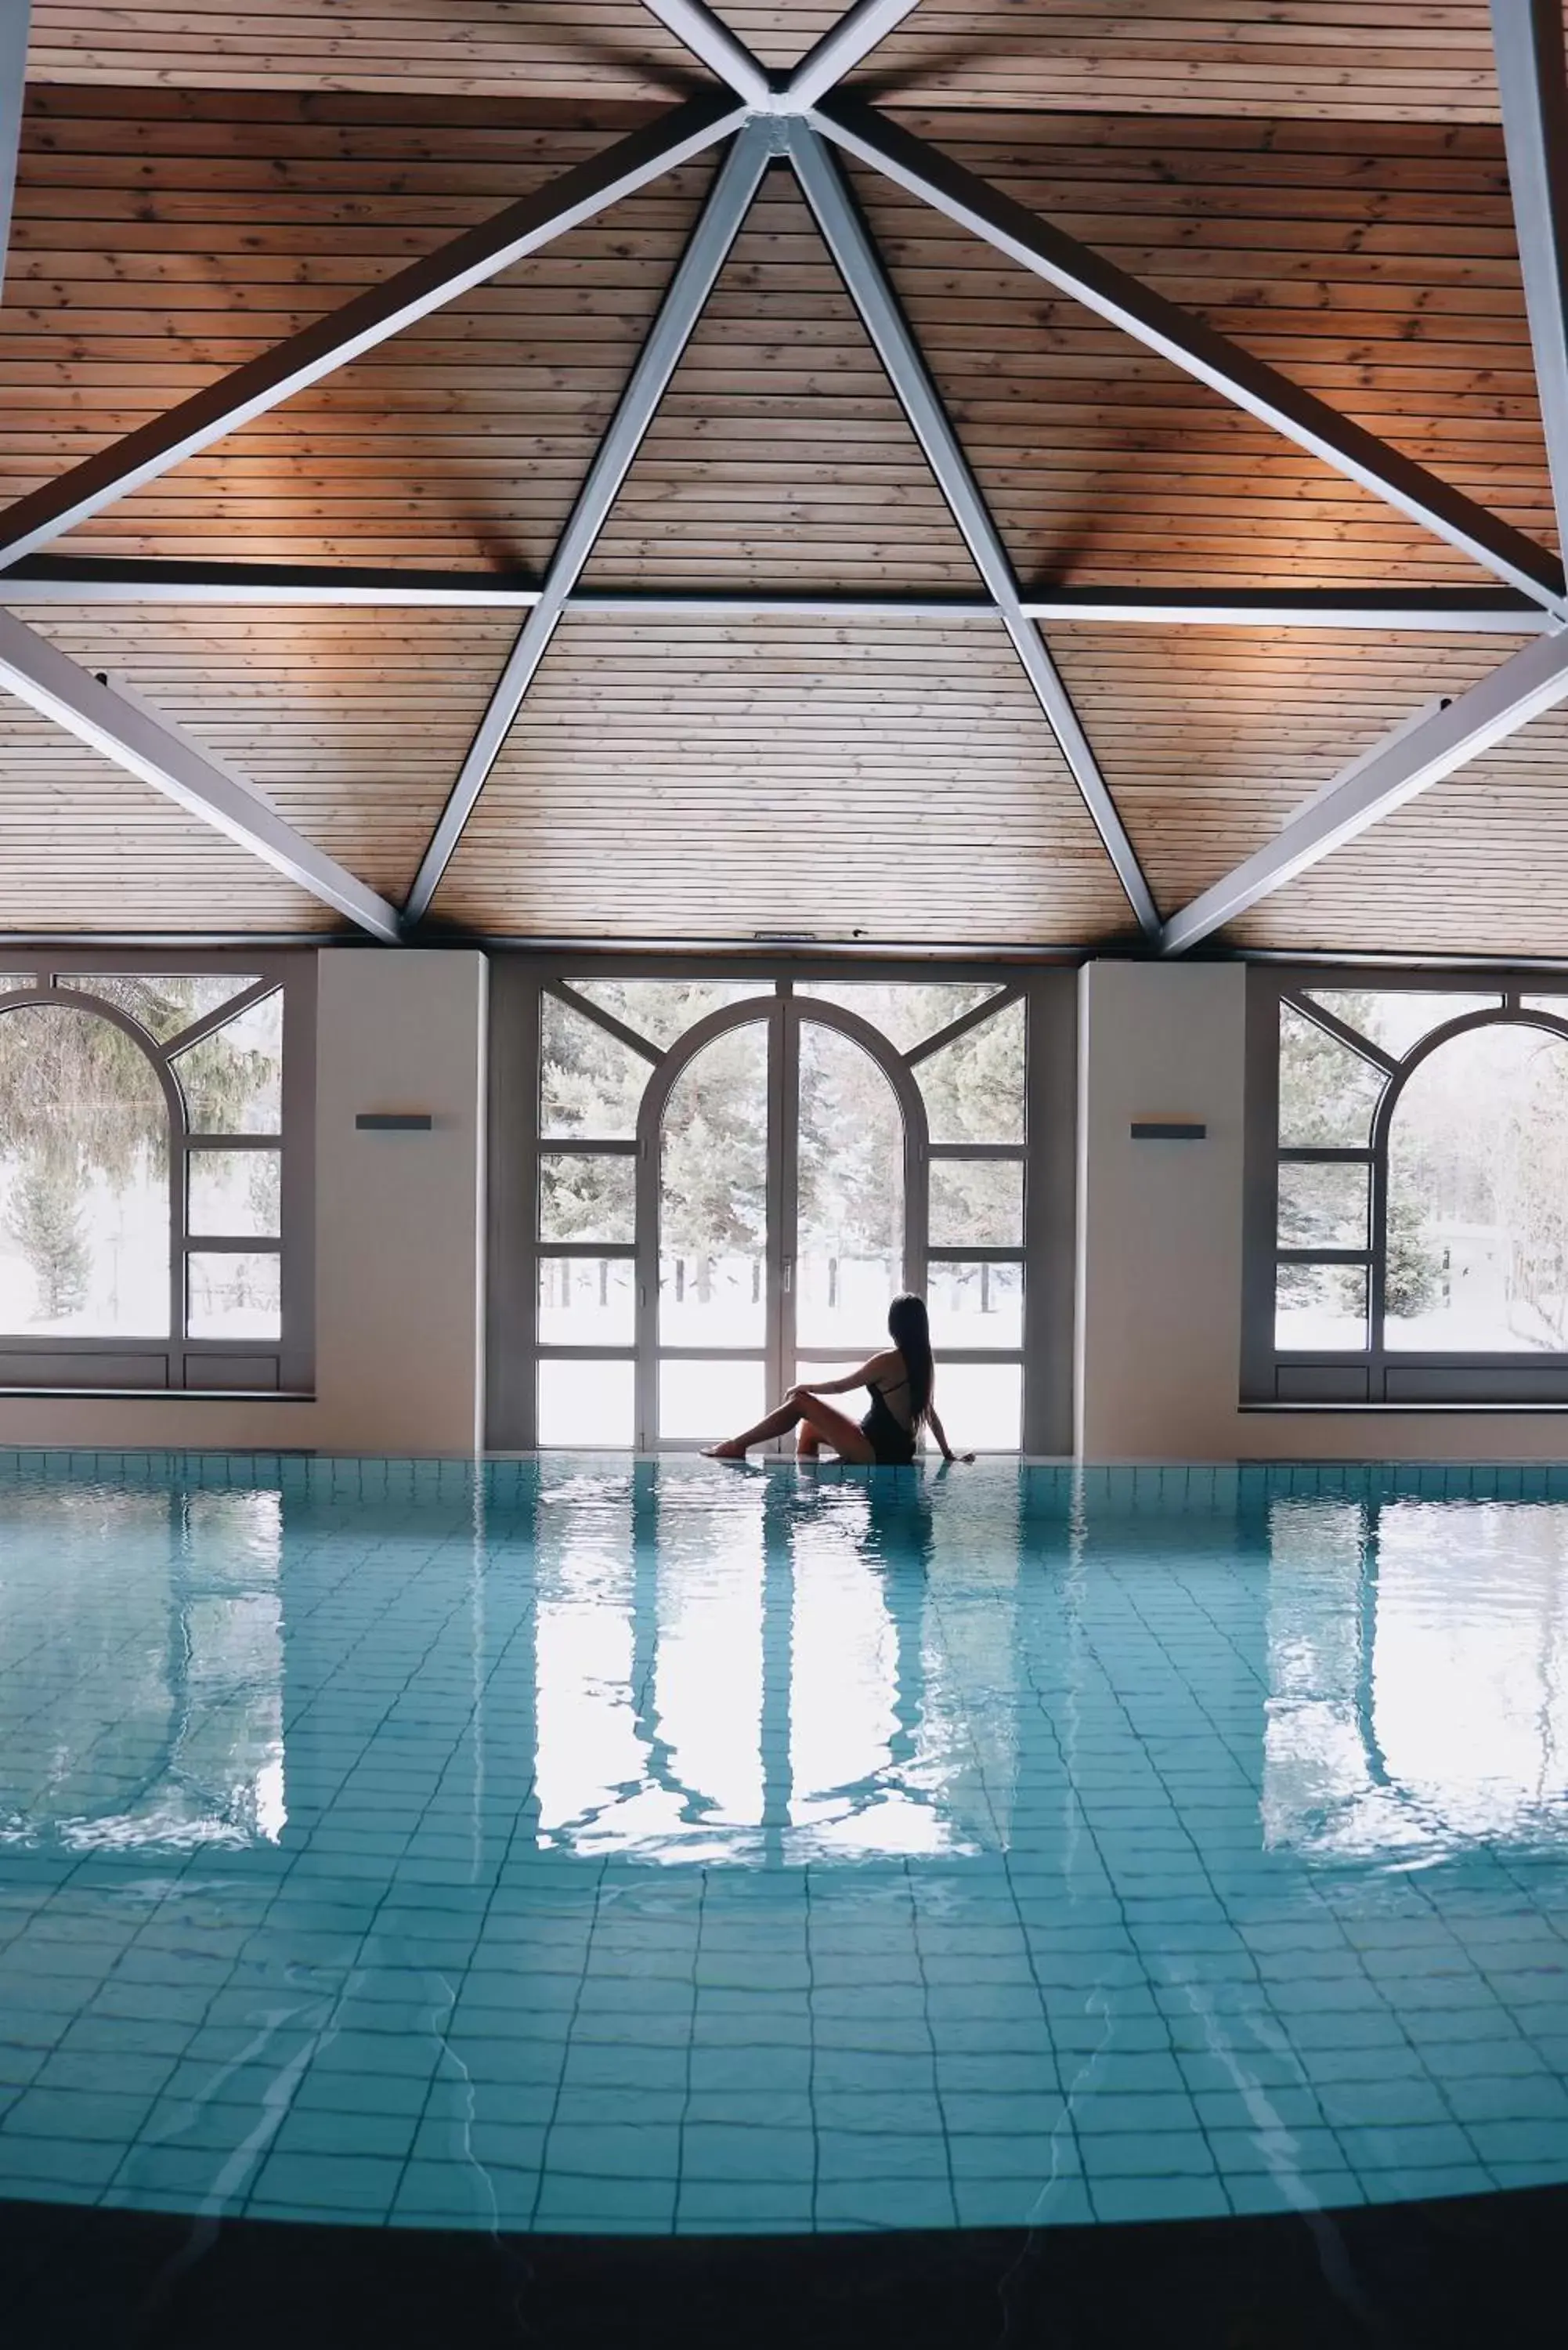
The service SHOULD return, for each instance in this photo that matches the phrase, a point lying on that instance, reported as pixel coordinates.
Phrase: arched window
(141, 1180)
(732, 1175)
(88, 1139)
(1421, 1234)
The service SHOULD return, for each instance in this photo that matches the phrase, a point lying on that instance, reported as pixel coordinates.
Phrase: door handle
(786, 1275)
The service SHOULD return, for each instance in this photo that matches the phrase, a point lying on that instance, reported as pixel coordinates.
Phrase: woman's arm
(842, 1386)
(939, 1432)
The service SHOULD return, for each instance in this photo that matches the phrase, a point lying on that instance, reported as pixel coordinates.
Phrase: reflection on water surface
(141, 1633)
(1418, 1671)
(749, 1668)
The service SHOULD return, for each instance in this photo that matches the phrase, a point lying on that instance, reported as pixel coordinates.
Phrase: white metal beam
(1498, 612)
(1527, 40)
(346, 334)
(841, 48)
(846, 45)
(114, 579)
(14, 14)
(858, 265)
(707, 38)
(729, 201)
(1414, 758)
(122, 727)
(1250, 383)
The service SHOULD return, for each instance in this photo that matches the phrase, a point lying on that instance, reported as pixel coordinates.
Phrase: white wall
(400, 1237)
(1159, 1341)
(1160, 1266)
(400, 1229)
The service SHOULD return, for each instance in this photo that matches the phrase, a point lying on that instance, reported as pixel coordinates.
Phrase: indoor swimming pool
(590, 1845)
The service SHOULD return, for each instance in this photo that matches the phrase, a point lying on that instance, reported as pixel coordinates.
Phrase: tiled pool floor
(649, 1847)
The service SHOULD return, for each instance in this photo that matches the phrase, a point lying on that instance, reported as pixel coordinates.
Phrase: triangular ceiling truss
(799, 119)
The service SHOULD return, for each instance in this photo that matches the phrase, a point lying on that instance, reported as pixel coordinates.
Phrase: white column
(1158, 1300)
(399, 1316)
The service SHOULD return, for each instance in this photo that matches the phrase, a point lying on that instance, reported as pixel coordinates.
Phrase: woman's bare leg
(834, 1428)
(808, 1441)
(777, 1423)
(827, 1426)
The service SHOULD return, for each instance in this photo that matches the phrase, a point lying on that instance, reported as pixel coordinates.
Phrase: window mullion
(179, 1220)
(1378, 1276)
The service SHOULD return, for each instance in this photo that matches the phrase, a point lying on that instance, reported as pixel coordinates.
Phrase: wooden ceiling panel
(353, 723)
(1211, 738)
(1317, 58)
(1378, 269)
(161, 239)
(1314, 58)
(85, 848)
(456, 48)
(1478, 865)
(729, 780)
(779, 455)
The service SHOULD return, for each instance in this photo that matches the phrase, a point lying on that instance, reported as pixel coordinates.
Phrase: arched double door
(781, 1203)
(731, 1177)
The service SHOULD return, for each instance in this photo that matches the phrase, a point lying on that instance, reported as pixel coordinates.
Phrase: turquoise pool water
(597, 1845)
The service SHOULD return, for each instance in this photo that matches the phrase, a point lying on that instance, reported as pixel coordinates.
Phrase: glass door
(710, 1284)
(854, 1247)
(780, 1231)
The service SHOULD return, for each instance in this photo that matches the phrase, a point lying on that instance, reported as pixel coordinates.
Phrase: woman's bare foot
(730, 1450)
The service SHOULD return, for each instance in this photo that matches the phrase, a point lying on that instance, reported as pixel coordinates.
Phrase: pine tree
(46, 1222)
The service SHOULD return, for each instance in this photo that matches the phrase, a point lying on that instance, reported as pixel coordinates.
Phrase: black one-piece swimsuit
(891, 1442)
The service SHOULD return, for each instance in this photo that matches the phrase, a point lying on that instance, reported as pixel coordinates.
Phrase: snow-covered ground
(1475, 1315)
(125, 1292)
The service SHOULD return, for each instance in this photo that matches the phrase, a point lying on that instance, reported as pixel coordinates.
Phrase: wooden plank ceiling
(352, 722)
(1482, 857)
(1322, 180)
(1215, 736)
(1376, 59)
(161, 239)
(780, 455)
(84, 848)
(1379, 267)
(783, 776)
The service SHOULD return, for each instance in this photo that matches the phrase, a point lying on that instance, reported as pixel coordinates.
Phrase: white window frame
(1372, 1377)
(519, 981)
(37, 1364)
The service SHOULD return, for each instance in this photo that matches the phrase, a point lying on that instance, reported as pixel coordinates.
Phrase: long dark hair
(911, 1333)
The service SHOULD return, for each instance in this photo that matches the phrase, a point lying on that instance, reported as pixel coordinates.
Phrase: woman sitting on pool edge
(900, 1380)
